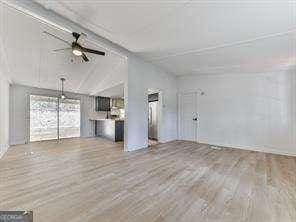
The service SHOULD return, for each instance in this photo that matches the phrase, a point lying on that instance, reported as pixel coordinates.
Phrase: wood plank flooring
(94, 180)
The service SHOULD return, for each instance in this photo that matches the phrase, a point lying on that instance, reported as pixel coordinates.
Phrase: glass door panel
(69, 118)
(43, 118)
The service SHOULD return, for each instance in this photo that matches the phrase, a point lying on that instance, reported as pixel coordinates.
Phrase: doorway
(153, 118)
(53, 118)
(188, 119)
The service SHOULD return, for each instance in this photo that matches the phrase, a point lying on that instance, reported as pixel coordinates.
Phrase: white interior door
(188, 116)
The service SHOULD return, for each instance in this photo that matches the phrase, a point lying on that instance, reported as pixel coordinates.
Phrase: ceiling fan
(76, 47)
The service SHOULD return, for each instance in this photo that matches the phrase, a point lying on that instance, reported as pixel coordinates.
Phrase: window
(43, 118)
(52, 118)
(69, 118)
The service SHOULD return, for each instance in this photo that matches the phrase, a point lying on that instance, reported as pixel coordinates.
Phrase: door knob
(194, 119)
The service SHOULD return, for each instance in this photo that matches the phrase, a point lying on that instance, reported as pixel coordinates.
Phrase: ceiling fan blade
(82, 38)
(56, 37)
(84, 57)
(93, 51)
(64, 49)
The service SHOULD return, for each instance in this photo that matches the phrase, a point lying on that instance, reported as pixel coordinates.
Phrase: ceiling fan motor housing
(76, 35)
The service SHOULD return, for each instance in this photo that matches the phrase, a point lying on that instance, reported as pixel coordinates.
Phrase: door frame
(160, 138)
(196, 110)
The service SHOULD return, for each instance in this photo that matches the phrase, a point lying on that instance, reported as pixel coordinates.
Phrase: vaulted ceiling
(29, 55)
(192, 36)
(182, 37)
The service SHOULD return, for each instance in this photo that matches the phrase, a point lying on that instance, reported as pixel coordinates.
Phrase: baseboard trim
(2, 152)
(135, 149)
(254, 148)
(21, 142)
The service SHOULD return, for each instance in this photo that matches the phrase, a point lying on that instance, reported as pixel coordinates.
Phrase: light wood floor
(82, 180)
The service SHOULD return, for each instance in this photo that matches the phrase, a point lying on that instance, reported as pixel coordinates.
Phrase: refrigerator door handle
(150, 115)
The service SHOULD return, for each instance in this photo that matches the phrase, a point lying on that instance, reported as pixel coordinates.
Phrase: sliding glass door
(69, 118)
(43, 118)
(53, 118)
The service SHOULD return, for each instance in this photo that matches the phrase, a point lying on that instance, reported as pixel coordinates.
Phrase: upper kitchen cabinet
(103, 103)
(118, 103)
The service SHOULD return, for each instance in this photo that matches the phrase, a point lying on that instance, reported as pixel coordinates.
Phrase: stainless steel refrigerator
(152, 120)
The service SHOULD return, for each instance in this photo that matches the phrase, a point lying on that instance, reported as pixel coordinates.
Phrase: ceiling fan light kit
(77, 52)
(76, 47)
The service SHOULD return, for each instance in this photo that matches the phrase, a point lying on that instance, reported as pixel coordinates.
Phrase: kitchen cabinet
(110, 129)
(118, 103)
(102, 103)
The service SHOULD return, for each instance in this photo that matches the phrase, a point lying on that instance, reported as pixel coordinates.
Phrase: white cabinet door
(188, 116)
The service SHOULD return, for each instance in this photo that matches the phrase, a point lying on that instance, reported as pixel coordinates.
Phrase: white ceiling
(194, 37)
(113, 92)
(31, 61)
(183, 37)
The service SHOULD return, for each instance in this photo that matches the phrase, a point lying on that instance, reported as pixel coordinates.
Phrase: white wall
(4, 114)
(20, 112)
(250, 111)
(141, 77)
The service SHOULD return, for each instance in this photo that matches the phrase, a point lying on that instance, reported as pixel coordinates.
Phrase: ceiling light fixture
(76, 49)
(63, 96)
(77, 52)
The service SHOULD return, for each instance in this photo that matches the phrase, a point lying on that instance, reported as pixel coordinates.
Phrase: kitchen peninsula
(112, 129)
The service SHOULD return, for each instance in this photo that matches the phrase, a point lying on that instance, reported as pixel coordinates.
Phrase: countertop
(99, 119)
